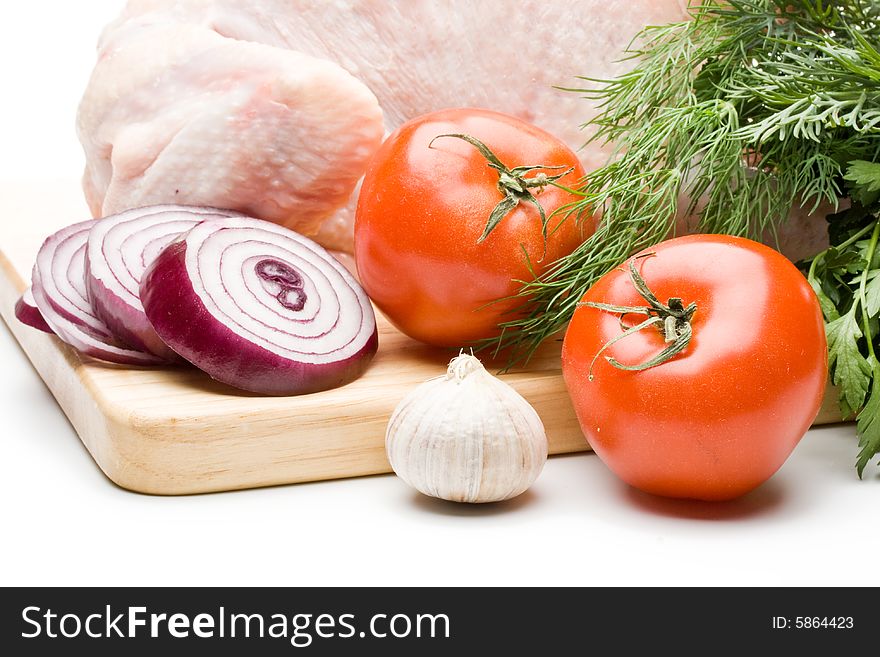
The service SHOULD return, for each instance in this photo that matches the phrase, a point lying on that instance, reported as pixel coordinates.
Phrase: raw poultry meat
(179, 112)
(245, 104)
(270, 106)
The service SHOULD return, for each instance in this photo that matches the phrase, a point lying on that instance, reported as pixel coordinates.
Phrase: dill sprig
(733, 117)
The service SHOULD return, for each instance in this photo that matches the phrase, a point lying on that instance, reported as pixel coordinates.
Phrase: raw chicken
(243, 104)
(179, 112)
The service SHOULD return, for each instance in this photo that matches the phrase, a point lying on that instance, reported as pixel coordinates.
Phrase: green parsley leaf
(868, 425)
(872, 293)
(864, 181)
(847, 261)
(851, 369)
(829, 310)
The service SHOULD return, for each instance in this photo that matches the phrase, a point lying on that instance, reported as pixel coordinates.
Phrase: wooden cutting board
(172, 431)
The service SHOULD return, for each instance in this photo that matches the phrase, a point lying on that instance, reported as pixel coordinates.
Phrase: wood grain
(175, 431)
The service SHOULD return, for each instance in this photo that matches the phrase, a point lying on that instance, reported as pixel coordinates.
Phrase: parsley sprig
(846, 279)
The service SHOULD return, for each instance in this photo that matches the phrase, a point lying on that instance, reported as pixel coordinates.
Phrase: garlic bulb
(466, 437)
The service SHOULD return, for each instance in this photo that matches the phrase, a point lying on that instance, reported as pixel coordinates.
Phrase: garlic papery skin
(466, 437)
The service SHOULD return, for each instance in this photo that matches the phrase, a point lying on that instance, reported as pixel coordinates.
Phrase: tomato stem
(673, 319)
(513, 184)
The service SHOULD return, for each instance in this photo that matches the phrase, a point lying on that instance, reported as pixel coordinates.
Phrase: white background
(63, 522)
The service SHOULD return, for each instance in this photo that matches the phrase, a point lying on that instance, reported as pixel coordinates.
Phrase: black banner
(331, 621)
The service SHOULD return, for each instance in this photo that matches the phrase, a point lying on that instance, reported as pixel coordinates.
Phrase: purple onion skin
(182, 321)
(31, 316)
(126, 323)
(101, 350)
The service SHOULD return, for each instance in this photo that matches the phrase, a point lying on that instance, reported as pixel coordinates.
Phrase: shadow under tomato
(458, 509)
(762, 501)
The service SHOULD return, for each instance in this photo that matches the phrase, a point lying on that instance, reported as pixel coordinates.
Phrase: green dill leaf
(734, 117)
(728, 121)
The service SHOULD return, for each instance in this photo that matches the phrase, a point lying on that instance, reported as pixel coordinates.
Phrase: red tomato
(422, 209)
(722, 416)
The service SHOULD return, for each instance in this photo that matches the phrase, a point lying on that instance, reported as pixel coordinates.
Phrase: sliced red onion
(27, 312)
(119, 249)
(59, 290)
(260, 307)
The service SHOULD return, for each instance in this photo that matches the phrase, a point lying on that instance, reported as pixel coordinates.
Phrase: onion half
(59, 291)
(119, 249)
(260, 307)
(27, 312)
